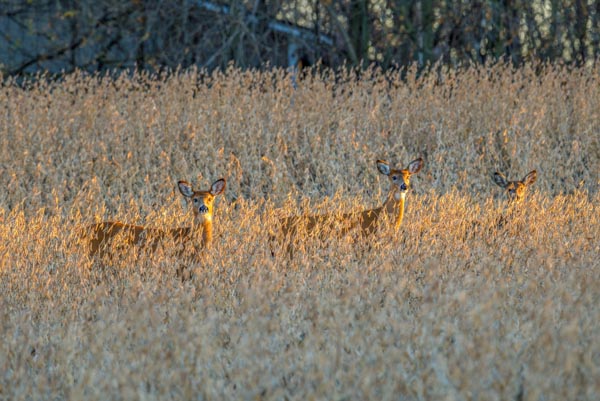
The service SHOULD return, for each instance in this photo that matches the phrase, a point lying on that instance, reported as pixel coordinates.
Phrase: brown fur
(515, 190)
(101, 236)
(368, 220)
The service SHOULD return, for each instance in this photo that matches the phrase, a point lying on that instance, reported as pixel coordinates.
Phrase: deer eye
(394, 178)
(195, 200)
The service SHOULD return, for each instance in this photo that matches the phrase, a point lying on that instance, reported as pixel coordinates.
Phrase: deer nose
(203, 209)
(403, 187)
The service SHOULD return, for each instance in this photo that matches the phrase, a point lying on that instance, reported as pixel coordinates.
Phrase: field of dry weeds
(452, 306)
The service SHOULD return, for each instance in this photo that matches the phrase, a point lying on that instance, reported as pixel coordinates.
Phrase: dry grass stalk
(445, 310)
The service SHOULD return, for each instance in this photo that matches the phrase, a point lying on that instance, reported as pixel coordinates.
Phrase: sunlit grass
(452, 306)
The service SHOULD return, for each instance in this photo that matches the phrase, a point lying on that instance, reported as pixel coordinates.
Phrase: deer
(515, 190)
(100, 235)
(515, 194)
(392, 211)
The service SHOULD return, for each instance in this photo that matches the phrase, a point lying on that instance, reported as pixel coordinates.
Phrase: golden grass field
(450, 307)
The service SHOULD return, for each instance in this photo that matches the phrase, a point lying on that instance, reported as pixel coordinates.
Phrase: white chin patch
(399, 195)
(204, 217)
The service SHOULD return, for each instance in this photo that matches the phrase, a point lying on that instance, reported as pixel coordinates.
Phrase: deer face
(515, 190)
(400, 178)
(202, 201)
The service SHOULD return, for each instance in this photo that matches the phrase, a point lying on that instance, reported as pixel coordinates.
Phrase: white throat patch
(205, 218)
(399, 195)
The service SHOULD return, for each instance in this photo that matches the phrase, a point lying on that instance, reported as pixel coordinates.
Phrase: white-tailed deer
(392, 211)
(100, 235)
(515, 190)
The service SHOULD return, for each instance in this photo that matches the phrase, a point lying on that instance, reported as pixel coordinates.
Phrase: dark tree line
(98, 35)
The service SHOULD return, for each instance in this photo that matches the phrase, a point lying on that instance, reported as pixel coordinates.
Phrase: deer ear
(185, 188)
(529, 178)
(415, 166)
(383, 167)
(218, 187)
(500, 179)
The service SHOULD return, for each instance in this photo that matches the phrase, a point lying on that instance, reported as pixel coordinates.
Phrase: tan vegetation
(441, 309)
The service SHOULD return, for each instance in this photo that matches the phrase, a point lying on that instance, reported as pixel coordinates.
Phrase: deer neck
(207, 232)
(394, 207)
(204, 226)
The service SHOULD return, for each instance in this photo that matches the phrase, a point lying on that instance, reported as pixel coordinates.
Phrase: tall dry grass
(450, 307)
